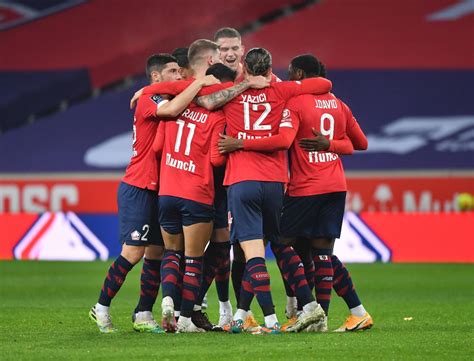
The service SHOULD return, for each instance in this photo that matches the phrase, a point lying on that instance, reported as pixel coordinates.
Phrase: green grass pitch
(44, 306)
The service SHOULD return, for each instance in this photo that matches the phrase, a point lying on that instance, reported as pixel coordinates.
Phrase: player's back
(254, 114)
(186, 168)
(142, 170)
(317, 172)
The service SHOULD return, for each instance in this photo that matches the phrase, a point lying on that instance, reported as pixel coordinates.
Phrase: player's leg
(296, 222)
(302, 246)
(150, 278)
(246, 225)
(329, 212)
(359, 318)
(237, 269)
(323, 279)
(173, 257)
(259, 202)
(220, 240)
(291, 308)
(288, 260)
(133, 223)
(217, 260)
(197, 222)
(217, 266)
(290, 226)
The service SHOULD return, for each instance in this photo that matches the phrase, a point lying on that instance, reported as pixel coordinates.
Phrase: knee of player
(154, 252)
(323, 243)
(133, 254)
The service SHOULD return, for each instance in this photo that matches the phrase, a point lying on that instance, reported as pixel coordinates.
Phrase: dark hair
(226, 33)
(181, 55)
(322, 69)
(309, 64)
(258, 61)
(222, 72)
(197, 49)
(157, 62)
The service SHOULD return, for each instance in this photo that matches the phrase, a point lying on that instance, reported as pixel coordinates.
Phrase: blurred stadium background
(69, 67)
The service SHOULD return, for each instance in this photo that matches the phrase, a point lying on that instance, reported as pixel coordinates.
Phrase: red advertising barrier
(84, 194)
(406, 193)
(426, 237)
(38, 195)
(367, 237)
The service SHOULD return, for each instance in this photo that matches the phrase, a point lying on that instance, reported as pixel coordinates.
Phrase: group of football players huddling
(227, 158)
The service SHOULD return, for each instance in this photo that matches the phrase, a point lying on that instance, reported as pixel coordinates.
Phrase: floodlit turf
(44, 306)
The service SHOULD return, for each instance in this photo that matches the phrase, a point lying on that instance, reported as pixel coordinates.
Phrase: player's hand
(209, 80)
(257, 82)
(134, 100)
(318, 143)
(228, 144)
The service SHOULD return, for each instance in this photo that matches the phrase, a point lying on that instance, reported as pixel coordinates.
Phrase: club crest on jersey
(135, 235)
(156, 98)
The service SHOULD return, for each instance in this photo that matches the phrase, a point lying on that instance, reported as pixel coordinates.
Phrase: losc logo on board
(358, 243)
(60, 236)
(17, 12)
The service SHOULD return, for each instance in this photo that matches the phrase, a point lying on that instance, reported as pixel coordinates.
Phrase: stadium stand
(92, 45)
(372, 34)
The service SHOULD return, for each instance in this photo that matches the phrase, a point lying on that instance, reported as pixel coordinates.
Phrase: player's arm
(220, 98)
(159, 141)
(357, 137)
(353, 130)
(320, 143)
(280, 141)
(167, 87)
(289, 89)
(178, 104)
(217, 159)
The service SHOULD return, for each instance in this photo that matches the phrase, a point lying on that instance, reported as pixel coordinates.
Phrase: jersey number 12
(258, 123)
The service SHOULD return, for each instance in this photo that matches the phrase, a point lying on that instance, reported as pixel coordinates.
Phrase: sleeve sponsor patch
(157, 98)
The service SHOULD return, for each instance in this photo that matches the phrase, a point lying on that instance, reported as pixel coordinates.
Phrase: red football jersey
(257, 113)
(189, 153)
(142, 170)
(321, 172)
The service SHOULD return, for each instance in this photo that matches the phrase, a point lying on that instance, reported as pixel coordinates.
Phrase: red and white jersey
(142, 171)
(320, 172)
(189, 152)
(257, 113)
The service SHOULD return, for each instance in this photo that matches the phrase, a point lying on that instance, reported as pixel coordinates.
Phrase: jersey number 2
(189, 139)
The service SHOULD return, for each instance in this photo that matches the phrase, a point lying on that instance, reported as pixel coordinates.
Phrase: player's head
(162, 67)
(222, 72)
(258, 61)
(230, 47)
(203, 53)
(305, 66)
(181, 55)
